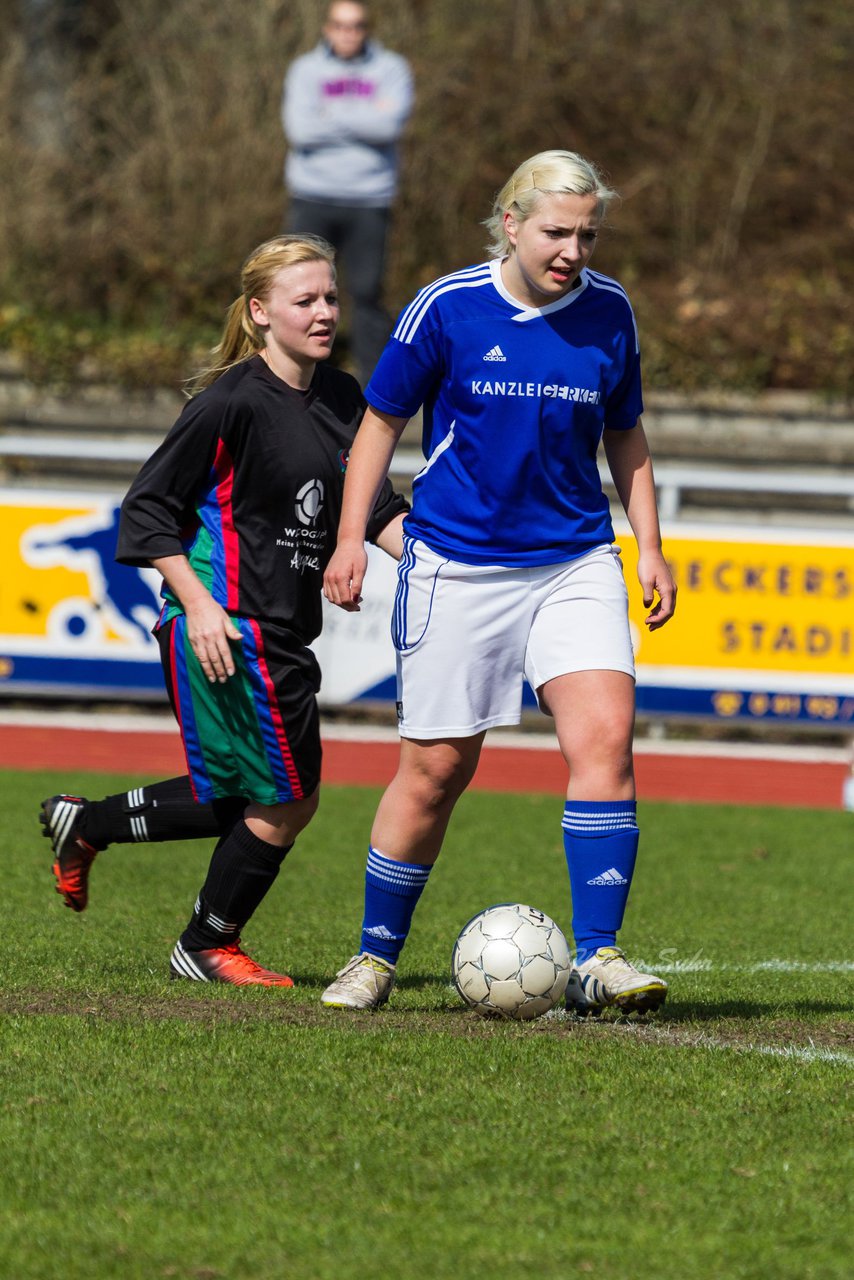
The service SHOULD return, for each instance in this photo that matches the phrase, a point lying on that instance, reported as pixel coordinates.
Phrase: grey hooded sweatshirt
(342, 119)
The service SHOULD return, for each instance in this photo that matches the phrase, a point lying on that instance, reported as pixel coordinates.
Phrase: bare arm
(209, 628)
(631, 468)
(370, 459)
(391, 539)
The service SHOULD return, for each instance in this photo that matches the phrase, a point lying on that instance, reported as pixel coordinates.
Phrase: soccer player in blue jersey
(522, 365)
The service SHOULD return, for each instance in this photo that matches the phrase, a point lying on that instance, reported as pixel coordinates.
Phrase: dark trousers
(359, 236)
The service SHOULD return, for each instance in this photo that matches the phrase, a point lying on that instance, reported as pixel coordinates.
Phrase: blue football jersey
(515, 400)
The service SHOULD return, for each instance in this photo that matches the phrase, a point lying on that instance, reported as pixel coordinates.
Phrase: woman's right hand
(209, 628)
(210, 632)
(345, 574)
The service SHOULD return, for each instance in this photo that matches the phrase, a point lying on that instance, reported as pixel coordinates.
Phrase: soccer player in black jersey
(238, 510)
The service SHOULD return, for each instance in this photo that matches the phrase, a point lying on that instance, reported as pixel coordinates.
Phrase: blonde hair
(241, 337)
(547, 173)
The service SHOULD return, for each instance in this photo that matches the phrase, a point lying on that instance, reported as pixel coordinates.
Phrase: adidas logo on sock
(495, 354)
(609, 877)
(380, 931)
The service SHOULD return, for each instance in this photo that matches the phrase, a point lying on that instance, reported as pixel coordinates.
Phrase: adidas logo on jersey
(609, 877)
(495, 354)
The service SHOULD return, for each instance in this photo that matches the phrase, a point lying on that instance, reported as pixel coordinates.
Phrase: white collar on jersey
(524, 312)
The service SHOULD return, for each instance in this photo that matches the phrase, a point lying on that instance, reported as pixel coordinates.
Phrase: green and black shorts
(256, 735)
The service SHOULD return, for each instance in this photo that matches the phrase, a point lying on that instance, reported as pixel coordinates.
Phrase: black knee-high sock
(157, 812)
(242, 870)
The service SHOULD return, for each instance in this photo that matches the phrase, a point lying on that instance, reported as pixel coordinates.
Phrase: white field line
(675, 1038)
(701, 965)
(794, 1052)
(162, 722)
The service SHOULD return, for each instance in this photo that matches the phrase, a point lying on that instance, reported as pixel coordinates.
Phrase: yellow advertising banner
(764, 626)
(764, 620)
(70, 617)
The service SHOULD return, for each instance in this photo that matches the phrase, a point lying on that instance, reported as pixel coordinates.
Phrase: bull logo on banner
(121, 601)
(71, 619)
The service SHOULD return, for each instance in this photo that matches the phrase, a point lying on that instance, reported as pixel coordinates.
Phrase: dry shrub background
(141, 153)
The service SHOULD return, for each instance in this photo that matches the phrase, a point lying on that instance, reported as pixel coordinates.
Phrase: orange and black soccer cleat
(224, 964)
(60, 818)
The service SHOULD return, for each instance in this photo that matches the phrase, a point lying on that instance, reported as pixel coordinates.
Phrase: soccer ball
(512, 961)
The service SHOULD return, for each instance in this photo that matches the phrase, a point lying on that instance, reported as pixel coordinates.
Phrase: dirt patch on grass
(221, 1006)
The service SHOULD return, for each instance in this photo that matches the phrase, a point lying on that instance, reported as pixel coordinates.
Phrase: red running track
(714, 777)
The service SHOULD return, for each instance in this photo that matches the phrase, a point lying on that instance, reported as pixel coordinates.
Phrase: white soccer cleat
(365, 982)
(606, 978)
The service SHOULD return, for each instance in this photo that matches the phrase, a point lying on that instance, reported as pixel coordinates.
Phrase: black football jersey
(248, 485)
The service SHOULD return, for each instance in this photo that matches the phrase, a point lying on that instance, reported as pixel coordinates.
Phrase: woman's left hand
(345, 573)
(655, 577)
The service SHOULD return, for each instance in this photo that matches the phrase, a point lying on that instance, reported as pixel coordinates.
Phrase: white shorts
(467, 635)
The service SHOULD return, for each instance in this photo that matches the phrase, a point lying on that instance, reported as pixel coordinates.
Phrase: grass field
(155, 1129)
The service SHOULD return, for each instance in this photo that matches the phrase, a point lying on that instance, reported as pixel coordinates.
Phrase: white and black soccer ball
(512, 961)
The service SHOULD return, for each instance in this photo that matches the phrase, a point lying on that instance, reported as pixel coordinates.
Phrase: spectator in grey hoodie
(344, 107)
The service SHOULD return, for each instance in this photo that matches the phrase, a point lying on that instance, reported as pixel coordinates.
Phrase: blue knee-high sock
(601, 843)
(392, 890)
